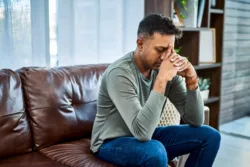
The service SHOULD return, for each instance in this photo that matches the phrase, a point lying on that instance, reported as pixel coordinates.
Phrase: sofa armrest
(206, 113)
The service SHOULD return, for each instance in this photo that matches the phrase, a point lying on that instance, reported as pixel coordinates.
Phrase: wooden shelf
(216, 11)
(207, 66)
(211, 100)
(192, 29)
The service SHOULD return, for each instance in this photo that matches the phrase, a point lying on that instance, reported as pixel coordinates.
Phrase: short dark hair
(157, 23)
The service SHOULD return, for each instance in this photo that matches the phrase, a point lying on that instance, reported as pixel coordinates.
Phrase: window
(53, 33)
(92, 31)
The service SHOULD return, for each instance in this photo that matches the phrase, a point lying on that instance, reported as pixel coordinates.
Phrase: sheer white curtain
(96, 31)
(85, 32)
(23, 33)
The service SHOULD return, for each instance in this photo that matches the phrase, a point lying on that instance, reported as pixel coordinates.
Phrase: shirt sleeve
(141, 120)
(189, 103)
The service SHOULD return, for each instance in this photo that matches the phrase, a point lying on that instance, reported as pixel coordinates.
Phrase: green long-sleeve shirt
(127, 105)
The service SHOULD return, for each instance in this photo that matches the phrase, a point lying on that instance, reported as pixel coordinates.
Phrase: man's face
(153, 50)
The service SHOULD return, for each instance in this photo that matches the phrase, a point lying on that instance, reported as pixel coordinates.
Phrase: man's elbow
(194, 121)
(141, 132)
(143, 138)
(197, 122)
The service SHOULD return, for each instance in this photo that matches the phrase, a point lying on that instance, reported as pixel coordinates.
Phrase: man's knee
(156, 154)
(212, 134)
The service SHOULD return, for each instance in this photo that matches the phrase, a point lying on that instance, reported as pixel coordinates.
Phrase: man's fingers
(179, 61)
(181, 64)
(175, 58)
(173, 51)
(172, 55)
(169, 51)
(183, 68)
(171, 47)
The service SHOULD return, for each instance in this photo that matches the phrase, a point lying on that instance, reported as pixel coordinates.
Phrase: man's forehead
(163, 40)
(164, 46)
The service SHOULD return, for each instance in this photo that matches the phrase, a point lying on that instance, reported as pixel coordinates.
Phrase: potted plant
(204, 85)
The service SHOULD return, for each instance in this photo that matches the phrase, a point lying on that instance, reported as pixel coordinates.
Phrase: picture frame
(207, 48)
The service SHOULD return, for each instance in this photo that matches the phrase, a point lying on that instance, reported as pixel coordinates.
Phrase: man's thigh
(128, 151)
(182, 139)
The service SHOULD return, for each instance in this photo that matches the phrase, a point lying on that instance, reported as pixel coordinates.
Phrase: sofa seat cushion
(75, 154)
(32, 159)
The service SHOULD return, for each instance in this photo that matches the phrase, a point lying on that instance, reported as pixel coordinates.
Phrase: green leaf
(183, 4)
(182, 16)
(204, 83)
(177, 50)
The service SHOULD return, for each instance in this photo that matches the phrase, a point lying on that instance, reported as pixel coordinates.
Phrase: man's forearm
(159, 85)
(187, 101)
(194, 108)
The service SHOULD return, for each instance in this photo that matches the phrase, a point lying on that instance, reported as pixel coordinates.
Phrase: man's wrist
(192, 87)
(192, 82)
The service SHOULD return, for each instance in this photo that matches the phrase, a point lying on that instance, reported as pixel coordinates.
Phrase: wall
(235, 88)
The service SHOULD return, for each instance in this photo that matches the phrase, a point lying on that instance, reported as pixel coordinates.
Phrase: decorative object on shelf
(204, 85)
(207, 48)
(200, 12)
(177, 17)
(213, 3)
(188, 11)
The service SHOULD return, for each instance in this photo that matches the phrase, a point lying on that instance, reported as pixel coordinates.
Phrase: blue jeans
(167, 143)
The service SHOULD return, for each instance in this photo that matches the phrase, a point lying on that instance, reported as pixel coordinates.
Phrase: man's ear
(139, 42)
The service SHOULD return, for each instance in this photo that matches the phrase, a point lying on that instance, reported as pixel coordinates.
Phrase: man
(132, 95)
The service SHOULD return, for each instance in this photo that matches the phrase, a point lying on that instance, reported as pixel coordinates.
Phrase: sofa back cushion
(61, 101)
(15, 136)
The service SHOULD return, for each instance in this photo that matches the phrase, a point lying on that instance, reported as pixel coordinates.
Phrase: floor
(234, 152)
(235, 144)
(239, 127)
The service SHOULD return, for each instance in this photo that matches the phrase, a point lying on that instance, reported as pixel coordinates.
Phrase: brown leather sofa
(46, 116)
